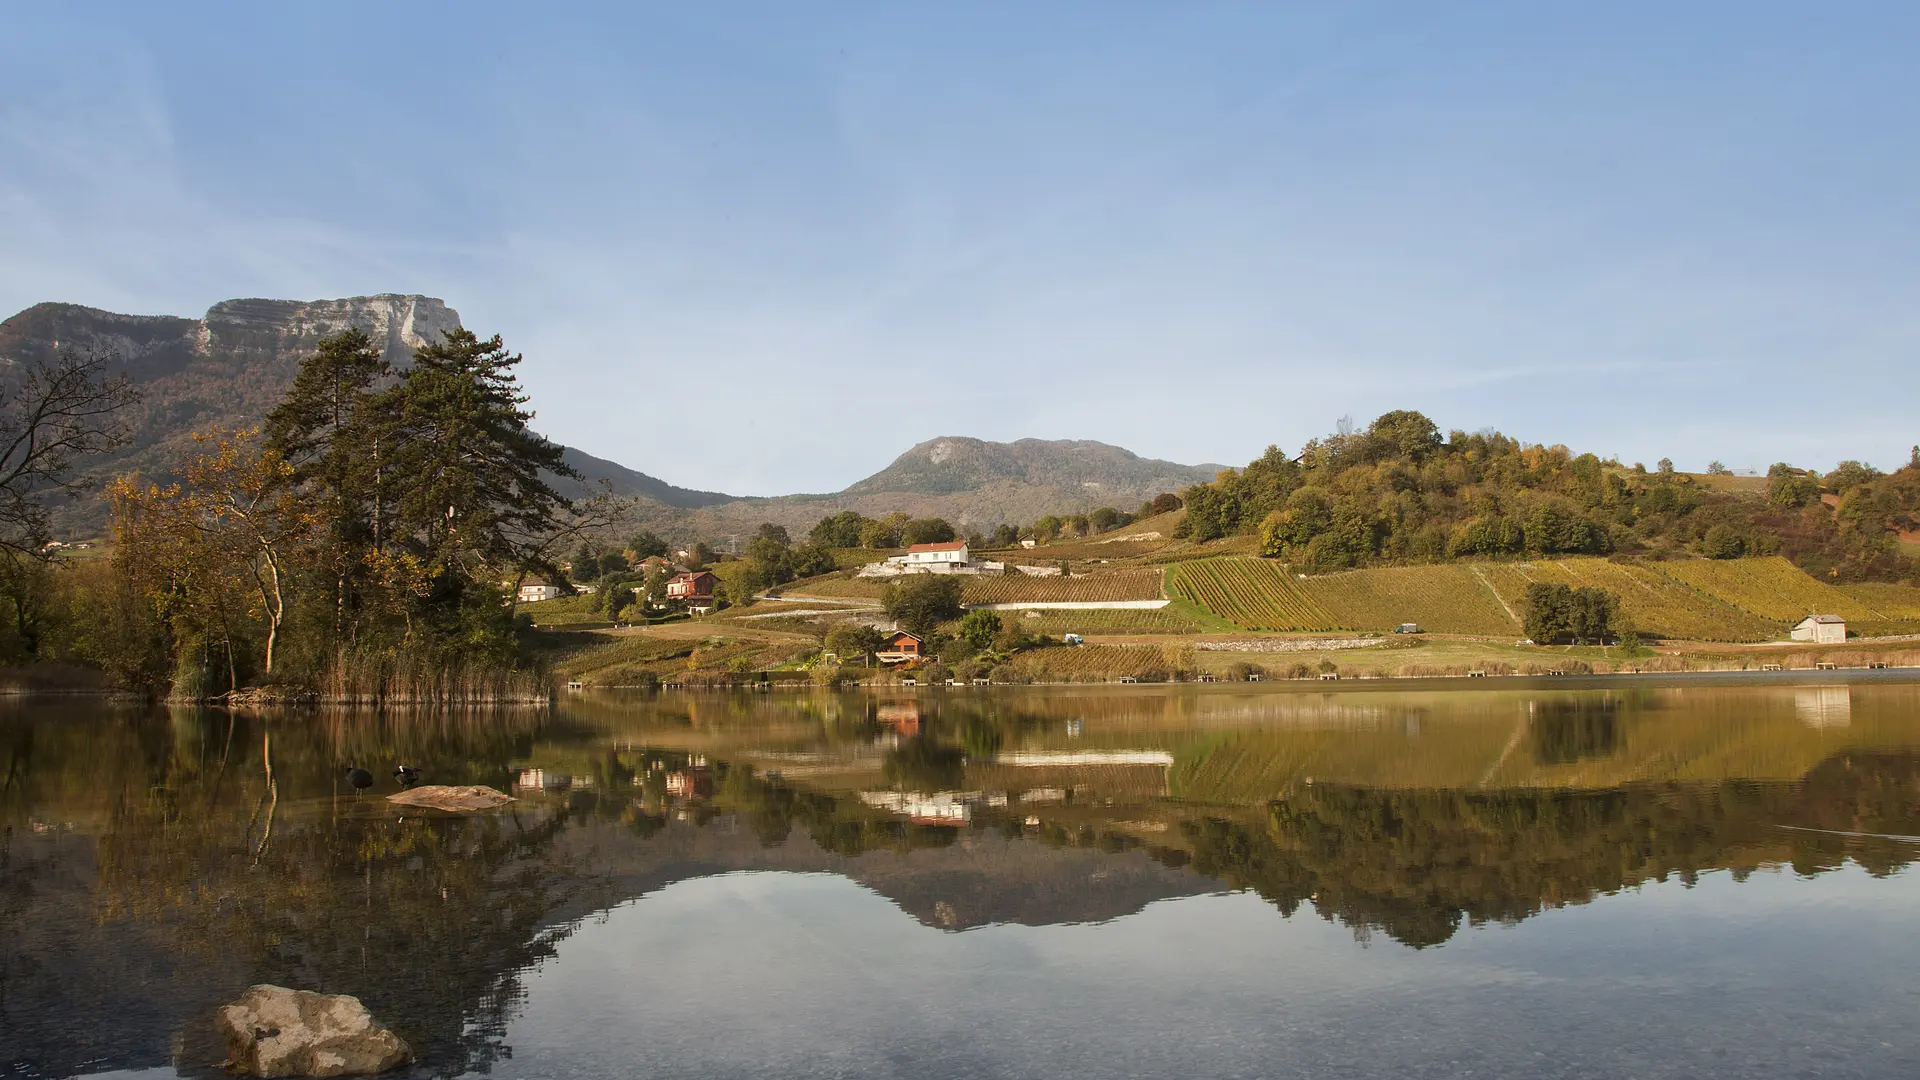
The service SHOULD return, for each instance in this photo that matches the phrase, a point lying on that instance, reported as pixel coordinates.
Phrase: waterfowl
(360, 778)
(407, 775)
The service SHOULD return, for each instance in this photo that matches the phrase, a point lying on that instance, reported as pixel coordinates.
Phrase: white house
(534, 590)
(1821, 629)
(933, 558)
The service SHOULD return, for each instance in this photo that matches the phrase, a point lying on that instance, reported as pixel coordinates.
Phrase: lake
(1705, 879)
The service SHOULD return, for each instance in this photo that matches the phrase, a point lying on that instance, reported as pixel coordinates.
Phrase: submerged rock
(450, 797)
(274, 1031)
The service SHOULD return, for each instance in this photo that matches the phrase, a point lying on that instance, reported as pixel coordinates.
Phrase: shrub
(920, 602)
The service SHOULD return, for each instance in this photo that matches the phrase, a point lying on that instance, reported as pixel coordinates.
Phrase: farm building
(534, 590)
(900, 648)
(1821, 629)
(933, 558)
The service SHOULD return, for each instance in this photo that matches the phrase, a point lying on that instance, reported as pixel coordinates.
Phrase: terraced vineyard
(1139, 584)
(1099, 663)
(1449, 598)
(1056, 623)
(1696, 600)
(1891, 601)
(1655, 604)
(1250, 593)
(1771, 588)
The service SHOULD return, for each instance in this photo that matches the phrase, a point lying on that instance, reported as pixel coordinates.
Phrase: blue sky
(1192, 230)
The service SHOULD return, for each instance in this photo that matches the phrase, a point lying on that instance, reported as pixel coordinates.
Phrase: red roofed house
(900, 648)
(933, 558)
(695, 589)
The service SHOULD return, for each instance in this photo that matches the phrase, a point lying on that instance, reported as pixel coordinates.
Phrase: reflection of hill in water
(150, 870)
(1416, 864)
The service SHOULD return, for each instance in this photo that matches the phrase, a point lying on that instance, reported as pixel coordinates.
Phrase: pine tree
(472, 500)
(325, 430)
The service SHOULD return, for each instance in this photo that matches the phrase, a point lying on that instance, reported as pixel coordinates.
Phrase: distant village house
(534, 590)
(933, 558)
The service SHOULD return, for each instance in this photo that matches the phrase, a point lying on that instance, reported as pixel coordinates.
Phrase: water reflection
(155, 862)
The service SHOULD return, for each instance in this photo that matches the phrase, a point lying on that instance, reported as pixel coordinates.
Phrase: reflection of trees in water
(1415, 864)
(432, 920)
(923, 763)
(429, 920)
(1570, 729)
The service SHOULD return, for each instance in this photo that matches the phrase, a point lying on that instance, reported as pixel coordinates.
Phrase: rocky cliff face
(228, 368)
(265, 337)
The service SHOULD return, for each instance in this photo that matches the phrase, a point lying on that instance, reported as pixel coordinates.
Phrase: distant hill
(952, 465)
(229, 367)
(971, 482)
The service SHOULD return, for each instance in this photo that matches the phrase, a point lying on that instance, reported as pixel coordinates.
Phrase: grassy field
(1125, 584)
(1736, 485)
(663, 652)
(834, 586)
(1250, 593)
(567, 611)
(1450, 598)
(1078, 551)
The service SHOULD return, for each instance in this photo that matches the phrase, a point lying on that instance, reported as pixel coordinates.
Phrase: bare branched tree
(52, 414)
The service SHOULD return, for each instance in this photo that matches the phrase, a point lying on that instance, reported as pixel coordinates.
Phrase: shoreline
(1387, 683)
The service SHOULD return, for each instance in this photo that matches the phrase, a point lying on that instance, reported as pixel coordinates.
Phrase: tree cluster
(1565, 615)
(1398, 491)
(851, 529)
(379, 520)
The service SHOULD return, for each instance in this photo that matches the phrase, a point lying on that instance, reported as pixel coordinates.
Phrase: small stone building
(1821, 629)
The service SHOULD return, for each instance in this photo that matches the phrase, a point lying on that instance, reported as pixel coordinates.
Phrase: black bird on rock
(360, 778)
(407, 775)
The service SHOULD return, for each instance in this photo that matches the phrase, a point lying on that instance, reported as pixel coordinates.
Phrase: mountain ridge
(229, 367)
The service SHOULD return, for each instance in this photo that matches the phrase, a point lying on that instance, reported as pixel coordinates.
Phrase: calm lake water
(1700, 881)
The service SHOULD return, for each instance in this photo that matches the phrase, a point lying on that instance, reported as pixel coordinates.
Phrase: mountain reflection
(154, 863)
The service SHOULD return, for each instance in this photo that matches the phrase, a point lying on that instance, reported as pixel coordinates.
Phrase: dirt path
(683, 631)
(1488, 585)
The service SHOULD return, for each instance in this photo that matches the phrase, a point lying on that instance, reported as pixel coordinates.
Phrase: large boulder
(274, 1031)
(452, 797)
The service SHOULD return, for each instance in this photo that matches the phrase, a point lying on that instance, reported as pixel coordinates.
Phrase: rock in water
(451, 797)
(274, 1031)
